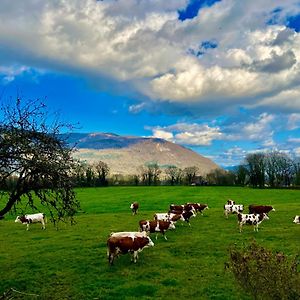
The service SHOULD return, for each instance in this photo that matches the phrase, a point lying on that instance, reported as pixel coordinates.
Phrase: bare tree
(256, 167)
(33, 152)
(173, 174)
(190, 174)
(102, 170)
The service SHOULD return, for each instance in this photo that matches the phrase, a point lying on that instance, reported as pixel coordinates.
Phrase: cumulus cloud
(258, 129)
(144, 45)
(188, 134)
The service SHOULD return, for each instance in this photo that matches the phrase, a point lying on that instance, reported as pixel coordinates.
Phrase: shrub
(265, 274)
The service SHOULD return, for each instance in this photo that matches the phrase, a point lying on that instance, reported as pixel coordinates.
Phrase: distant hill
(125, 154)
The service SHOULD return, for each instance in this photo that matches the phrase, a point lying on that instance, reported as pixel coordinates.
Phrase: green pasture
(71, 262)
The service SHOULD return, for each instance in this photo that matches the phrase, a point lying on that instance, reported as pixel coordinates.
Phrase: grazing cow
(260, 209)
(198, 207)
(251, 219)
(187, 215)
(181, 208)
(34, 218)
(162, 216)
(156, 226)
(297, 220)
(134, 207)
(233, 209)
(127, 242)
(174, 217)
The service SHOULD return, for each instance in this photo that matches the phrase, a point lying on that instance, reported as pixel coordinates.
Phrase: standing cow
(251, 219)
(198, 207)
(260, 209)
(134, 207)
(233, 209)
(156, 226)
(127, 242)
(33, 218)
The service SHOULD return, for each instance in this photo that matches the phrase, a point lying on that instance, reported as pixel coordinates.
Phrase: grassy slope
(71, 263)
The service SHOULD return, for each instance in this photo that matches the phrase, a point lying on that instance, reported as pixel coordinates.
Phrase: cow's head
(148, 240)
(18, 220)
(264, 216)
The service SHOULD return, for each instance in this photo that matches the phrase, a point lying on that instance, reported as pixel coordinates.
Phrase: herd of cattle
(134, 242)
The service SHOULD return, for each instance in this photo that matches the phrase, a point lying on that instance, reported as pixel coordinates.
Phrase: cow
(127, 242)
(233, 209)
(187, 215)
(198, 207)
(33, 218)
(297, 220)
(162, 216)
(260, 209)
(181, 208)
(251, 219)
(156, 226)
(134, 207)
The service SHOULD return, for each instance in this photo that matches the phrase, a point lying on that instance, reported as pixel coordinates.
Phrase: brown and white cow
(127, 242)
(156, 226)
(181, 208)
(251, 219)
(33, 218)
(260, 209)
(169, 216)
(233, 209)
(297, 220)
(134, 207)
(198, 207)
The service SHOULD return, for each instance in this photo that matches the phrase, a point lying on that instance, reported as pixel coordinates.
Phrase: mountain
(125, 154)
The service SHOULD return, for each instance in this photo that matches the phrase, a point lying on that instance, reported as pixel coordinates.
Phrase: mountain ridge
(126, 154)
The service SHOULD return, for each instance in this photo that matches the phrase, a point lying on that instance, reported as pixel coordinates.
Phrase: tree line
(260, 170)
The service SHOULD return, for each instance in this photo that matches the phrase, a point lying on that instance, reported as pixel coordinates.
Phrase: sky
(220, 77)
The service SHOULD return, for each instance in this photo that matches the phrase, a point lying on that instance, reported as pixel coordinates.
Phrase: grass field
(71, 263)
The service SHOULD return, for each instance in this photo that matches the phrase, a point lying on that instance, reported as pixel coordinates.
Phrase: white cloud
(143, 45)
(293, 121)
(258, 129)
(297, 152)
(162, 134)
(294, 140)
(188, 134)
(8, 74)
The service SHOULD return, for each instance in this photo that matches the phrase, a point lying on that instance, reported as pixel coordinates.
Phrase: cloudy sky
(220, 77)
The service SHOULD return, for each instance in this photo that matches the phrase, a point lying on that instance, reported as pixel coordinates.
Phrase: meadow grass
(71, 262)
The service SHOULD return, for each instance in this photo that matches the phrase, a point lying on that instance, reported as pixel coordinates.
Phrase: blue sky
(220, 77)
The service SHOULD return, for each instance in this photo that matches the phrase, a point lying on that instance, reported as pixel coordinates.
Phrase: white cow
(297, 220)
(251, 219)
(233, 209)
(33, 218)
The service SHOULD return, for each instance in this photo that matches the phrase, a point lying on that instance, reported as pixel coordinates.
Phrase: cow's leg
(225, 213)
(43, 225)
(240, 225)
(27, 226)
(110, 256)
(156, 236)
(135, 256)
